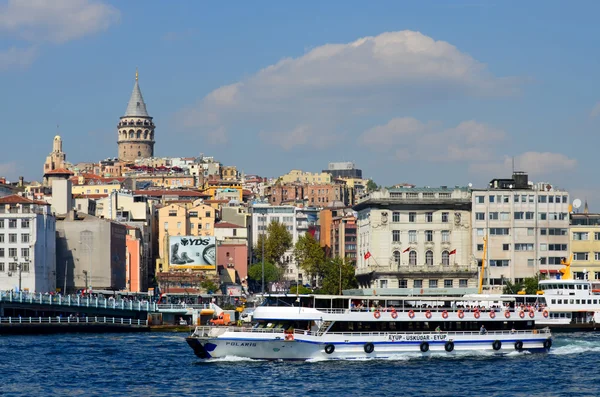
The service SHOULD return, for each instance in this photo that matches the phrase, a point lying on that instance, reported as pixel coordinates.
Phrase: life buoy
(545, 313)
(507, 314)
(289, 337)
(394, 315)
(445, 314)
(377, 314)
(411, 314)
(548, 343)
(461, 314)
(449, 346)
(522, 314)
(369, 347)
(476, 314)
(424, 347)
(428, 314)
(492, 314)
(497, 345)
(518, 345)
(531, 314)
(329, 349)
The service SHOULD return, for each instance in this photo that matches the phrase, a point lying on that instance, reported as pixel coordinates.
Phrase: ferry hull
(280, 349)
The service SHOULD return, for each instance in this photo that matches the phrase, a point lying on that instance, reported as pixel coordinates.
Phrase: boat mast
(482, 264)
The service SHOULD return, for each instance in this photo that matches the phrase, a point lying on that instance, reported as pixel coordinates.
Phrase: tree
(302, 290)
(272, 272)
(331, 279)
(209, 286)
(530, 285)
(310, 255)
(371, 185)
(277, 241)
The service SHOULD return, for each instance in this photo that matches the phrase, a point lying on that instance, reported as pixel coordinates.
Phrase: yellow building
(230, 173)
(318, 178)
(165, 181)
(584, 247)
(224, 190)
(182, 219)
(94, 184)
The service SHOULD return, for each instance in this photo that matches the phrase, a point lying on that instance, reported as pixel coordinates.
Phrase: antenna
(576, 203)
(513, 164)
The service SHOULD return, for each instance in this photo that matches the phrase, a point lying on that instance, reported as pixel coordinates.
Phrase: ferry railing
(544, 331)
(178, 306)
(78, 301)
(241, 329)
(73, 320)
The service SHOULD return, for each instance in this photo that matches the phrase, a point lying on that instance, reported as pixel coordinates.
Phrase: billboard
(192, 252)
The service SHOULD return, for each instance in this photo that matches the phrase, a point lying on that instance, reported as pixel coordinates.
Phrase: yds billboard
(192, 252)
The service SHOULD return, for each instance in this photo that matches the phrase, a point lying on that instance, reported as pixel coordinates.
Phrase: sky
(424, 92)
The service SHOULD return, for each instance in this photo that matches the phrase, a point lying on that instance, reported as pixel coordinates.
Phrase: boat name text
(425, 337)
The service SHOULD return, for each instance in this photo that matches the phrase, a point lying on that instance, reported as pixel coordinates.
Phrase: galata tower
(136, 129)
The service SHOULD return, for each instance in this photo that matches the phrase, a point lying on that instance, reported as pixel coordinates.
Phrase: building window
(1, 266)
(178, 225)
(492, 198)
(480, 216)
(412, 258)
(12, 252)
(397, 257)
(402, 283)
(429, 258)
(412, 236)
(529, 215)
(597, 236)
(580, 256)
(12, 238)
(396, 236)
(417, 283)
(429, 235)
(479, 247)
(480, 232)
(395, 216)
(557, 247)
(516, 198)
(1, 221)
(530, 262)
(580, 236)
(542, 199)
(207, 214)
(445, 236)
(166, 225)
(499, 231)
(463, 283)
(448, 283)
(493, 216)
(480, 199)
(25, 252)
(505, 247)
(25, 223)
(433, 283)
(429, 217)
(24, 238)
(542, 216)
(412, 217)
(445, 258)
(524, 247)
(519, 215)
(499, 262)
(1, 252)
(12, 223)
(207, 226)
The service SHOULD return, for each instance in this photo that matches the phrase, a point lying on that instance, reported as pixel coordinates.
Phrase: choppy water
(159, 364)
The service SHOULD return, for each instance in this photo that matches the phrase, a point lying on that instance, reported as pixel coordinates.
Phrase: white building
(527, 229)
(417, 240)
(27, 245)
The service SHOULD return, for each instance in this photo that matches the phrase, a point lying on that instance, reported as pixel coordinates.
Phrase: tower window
(139, 153)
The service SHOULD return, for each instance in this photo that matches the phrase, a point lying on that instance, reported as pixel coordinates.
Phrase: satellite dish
(470, 184)
(576, 203)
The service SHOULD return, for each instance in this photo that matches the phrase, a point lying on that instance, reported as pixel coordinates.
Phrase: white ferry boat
(347, 327)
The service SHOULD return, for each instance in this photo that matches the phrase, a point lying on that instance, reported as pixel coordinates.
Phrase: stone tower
(57, 158)
(136, 129)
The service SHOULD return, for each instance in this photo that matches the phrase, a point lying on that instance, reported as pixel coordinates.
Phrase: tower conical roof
(136, 106)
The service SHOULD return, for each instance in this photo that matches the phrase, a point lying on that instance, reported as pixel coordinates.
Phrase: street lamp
(19, 268)
(263, 256)
(89, 271)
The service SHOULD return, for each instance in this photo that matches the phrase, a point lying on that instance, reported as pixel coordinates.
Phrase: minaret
(135, 128)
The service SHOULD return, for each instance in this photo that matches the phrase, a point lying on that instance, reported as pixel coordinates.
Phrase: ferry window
(585, 287)
(577, 301)
(595, 301)
(571, 301)
(578, 286)
(589, 301)
(568, 315)
(571, 286)
(553, 301)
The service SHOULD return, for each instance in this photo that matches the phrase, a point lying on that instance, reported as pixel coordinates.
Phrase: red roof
(246, 192)
(91, 196)
(16, 199)
(180, 193)
(219, 201)
(227, 225)
(59, 171)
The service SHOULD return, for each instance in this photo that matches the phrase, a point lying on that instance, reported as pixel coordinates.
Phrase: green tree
(371, 185)
(530, 285)
(334, 268)
(277, 241)
(210, 286)
(301, 290)
(272, 272)
(310, 255)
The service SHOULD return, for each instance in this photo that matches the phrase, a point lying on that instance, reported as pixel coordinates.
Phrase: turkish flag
(452, 252)
(367, 255)
(406, 250)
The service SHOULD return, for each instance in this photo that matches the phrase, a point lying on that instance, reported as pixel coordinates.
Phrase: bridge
(21, 325)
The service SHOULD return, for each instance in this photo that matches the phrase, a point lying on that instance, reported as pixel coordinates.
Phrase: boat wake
(230, 359)
(578, 347)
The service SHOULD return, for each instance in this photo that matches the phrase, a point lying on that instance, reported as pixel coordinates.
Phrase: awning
(551, 271)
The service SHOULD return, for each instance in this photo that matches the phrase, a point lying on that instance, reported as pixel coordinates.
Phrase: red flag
(452, 252)
(406, 250)
(367, 255)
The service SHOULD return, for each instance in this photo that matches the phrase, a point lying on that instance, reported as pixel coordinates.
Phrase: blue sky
(426, 92)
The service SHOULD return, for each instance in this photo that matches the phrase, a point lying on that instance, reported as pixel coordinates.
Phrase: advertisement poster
(192, 252)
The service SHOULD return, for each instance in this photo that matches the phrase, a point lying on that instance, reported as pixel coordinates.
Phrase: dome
(57, 138)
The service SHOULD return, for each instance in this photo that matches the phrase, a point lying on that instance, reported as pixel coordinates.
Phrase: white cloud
(56, 21)
(534, 163)
(217, 136)
(334, 82)
(17, 57)
(412, 139)
(302, 135)
(595, 111)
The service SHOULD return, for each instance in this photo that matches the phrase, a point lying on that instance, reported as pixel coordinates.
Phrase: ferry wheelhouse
(290, 327)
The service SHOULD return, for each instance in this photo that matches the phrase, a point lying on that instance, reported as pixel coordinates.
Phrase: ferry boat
(304, 327)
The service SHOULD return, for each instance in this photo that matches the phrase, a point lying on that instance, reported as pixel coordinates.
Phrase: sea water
(161, 364)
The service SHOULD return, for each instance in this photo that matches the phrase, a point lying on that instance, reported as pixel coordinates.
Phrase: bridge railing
(179, 306)
(78, 301)
(73, 320)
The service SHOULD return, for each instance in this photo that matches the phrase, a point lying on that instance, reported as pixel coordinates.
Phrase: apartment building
(584, 246)
(526, 226)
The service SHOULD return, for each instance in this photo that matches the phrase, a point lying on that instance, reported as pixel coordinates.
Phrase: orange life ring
(428, 314)
(289, 337)
(492, 314)
(546, 313)
(507, 314)
(377, 314)
(411, 314)
(445, 314)
(531, 314)
(394, 315)
(522, 314)
(461, 314)
(476, 314)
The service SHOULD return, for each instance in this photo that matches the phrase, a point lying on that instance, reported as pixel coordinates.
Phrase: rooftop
(136, 106)
(59, 171)
(227, 225)
(16, 199)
